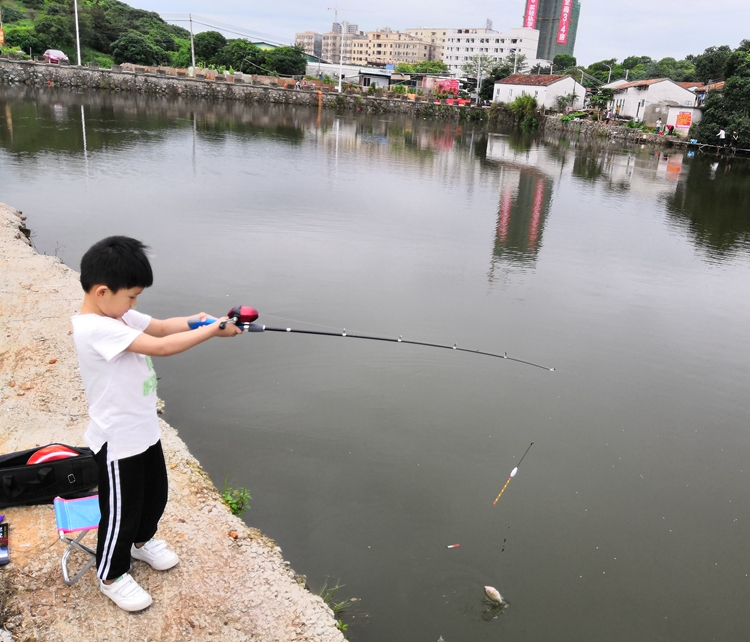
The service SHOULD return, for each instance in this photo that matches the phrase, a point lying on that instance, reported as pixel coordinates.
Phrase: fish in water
(492, 593)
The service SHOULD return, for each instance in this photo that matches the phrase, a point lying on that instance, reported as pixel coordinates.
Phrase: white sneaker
(156, 554)
(126, 593)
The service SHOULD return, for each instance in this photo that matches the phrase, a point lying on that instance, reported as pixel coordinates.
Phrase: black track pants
(132, 498)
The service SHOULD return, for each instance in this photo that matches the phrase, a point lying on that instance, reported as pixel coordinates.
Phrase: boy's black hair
(117, 262)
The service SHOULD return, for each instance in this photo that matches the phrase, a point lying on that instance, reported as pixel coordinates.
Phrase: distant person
(722, 136)
(115, 345)
(658, 125)
(608, 116)
(734, 140)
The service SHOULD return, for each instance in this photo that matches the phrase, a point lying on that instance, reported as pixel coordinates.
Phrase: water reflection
(705, 198)
(712, 205)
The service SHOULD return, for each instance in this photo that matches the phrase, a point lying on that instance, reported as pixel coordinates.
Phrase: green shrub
(238, 499)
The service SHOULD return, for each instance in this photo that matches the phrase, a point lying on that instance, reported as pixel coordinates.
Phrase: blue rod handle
(197, 323)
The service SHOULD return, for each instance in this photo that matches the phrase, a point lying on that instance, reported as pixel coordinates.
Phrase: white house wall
(633, 101)
(546, 96)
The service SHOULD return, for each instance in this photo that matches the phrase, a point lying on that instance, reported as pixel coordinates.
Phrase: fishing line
(512, 475)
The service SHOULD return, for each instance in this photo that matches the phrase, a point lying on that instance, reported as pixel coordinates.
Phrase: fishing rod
(512, 475)
(243, 316)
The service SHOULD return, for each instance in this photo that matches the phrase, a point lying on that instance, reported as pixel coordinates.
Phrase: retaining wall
(240, 89)
(600, 130)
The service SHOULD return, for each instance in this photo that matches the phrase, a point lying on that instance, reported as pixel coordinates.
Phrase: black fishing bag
(23, 485)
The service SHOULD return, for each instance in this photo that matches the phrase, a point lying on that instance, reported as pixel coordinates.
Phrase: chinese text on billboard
(562, 32)
(529, 20)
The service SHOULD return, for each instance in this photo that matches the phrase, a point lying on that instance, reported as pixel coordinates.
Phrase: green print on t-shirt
(149, 385)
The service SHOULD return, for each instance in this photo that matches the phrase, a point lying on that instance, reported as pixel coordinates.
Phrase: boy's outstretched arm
(165, 327)
(180, 341)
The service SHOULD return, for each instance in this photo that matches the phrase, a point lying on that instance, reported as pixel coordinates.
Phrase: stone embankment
(600, 130)
(243, 88)
(231, 584)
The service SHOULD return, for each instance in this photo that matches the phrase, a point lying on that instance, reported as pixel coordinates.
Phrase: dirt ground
(231, 583)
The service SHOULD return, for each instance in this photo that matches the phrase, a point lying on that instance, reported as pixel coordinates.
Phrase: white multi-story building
(463, 44)
(435, 37)
(311, 42)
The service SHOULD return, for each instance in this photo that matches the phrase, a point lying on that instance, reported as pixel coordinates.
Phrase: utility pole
(78, 35)
(341, 46)
(192, 46)
(515, 63)
(479, 77)
(341, 58)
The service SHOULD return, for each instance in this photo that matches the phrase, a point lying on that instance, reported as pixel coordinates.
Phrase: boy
(115, 345)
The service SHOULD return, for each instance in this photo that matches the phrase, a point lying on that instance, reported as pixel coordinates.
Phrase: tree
(564, 61)
(709, 66)
(207, 44)
(563, 102)
(601, 70)
(502, 69)
(737, 64)
(136, 48)
(479, 65)
(55, 31)
(241, 54)
(24, 37)
(286, 61)
(430, 67)
(600, 98)
(11, 15)
(631, 62)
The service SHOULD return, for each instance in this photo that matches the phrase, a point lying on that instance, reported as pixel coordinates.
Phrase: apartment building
(463, 44)
(311, 42)
(332, 49)
(344, 27)
(435, 37)
(388, 47)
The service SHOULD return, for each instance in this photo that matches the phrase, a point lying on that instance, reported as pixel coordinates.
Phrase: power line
(207, 22)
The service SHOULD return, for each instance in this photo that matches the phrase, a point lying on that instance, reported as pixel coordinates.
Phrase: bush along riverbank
(231, 583)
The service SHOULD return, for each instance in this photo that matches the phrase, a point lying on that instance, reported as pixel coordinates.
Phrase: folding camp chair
(73, 515)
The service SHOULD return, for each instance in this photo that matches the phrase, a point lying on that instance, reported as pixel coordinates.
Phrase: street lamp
(610, 72)
(78, 35)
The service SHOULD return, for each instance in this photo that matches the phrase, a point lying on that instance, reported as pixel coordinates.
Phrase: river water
(627, 270)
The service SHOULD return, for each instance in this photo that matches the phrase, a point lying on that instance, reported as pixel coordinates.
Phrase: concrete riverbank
(37, 74)
(232, 582)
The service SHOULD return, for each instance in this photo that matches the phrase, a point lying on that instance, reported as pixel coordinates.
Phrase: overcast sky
(607, 28)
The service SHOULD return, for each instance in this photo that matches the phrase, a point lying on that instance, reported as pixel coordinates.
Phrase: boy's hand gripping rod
(243, 316)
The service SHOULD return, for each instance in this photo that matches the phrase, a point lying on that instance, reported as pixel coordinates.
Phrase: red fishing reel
(240, 315)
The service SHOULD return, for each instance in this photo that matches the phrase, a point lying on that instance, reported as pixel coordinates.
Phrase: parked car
(55, 56)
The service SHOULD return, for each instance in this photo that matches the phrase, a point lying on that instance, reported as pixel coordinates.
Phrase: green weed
(238, 499)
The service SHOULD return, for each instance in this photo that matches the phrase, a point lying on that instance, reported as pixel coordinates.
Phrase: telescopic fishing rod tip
(551, 369)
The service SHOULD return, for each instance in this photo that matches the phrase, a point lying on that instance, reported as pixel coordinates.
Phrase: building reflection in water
(524, 204)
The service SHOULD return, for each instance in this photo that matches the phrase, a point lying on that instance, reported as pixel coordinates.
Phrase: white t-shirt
(120, 385)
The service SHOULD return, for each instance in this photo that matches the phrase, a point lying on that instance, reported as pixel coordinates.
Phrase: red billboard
(532, 8)
(564, 27)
